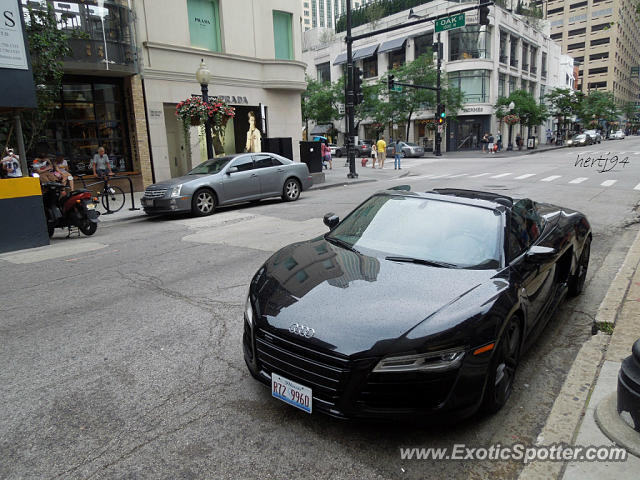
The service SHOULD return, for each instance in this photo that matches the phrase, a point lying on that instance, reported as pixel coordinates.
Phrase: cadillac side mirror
(231, 170)
(538, 254)
(331, 220)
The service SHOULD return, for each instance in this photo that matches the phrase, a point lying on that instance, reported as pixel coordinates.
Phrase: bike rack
(108, 212)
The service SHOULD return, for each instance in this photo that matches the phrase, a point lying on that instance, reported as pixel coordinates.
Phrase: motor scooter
(75, 209)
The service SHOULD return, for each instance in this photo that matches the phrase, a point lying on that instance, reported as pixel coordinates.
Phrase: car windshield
(428, 230)
(578, 137)
(211, 166)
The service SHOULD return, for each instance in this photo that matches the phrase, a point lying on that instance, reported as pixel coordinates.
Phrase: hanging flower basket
(192, 111)
(219, 113)
(511, 119)
(430, 125)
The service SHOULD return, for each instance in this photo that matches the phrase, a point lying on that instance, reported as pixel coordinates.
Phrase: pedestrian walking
(382, 151)
(374, 155)
(10, 167)
(396, 157)
(519, 141)
(549, 135)
(490, 145)
(484, 141)
(499, 141)
(101, 164)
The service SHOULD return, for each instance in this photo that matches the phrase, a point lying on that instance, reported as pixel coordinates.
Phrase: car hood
(176, 181)
(353, 301)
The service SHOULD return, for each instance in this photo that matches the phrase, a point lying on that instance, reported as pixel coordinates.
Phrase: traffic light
(391, 82)
(442, 115)
(358, 96)
(484, 15)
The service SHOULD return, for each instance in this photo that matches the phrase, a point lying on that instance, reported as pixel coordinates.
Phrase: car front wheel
(291, 190)
(203, 203)
(576, 281)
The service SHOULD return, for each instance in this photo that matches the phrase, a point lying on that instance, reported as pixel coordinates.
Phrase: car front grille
(325, 374)
(155, 193)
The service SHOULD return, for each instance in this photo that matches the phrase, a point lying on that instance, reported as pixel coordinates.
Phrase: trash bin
(310, 154)
(531, 142)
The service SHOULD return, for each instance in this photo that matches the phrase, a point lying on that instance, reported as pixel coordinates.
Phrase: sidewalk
(541, 148)
(585, 407)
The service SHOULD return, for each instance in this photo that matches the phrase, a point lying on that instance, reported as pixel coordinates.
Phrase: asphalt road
(121, 353)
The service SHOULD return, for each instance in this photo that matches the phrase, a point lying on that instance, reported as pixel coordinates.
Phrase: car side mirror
(231, 170)
(538, 254)
(331, 220)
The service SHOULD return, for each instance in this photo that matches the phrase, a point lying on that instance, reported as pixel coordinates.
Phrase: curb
(564, 420)
(342, 184)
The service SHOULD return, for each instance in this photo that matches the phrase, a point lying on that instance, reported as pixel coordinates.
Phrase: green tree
(401, 106)
(598, 107)
(531, 113)
(320, 103)
(564, 104)
(48, 46)
(629, 110)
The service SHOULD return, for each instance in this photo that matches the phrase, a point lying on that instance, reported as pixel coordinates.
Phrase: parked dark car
(226, 180)
(362, 150)
(406, 149)
(415, 306)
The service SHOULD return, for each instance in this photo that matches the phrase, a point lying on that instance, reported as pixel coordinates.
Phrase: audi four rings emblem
(302, 330)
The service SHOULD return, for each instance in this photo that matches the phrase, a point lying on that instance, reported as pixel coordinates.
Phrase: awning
(320, 129)
(340, 59)
(392, 45)
(365, 52)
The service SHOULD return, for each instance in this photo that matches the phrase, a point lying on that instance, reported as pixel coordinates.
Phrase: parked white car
(617, 135)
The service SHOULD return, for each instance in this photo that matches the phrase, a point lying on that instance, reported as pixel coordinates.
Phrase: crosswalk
(556, 179)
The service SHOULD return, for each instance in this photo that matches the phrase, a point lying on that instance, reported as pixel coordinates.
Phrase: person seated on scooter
(43, 167)
(101, 164)
(62, 170)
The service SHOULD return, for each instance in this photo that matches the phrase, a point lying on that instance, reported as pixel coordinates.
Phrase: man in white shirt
(101, 164)
(11, 164)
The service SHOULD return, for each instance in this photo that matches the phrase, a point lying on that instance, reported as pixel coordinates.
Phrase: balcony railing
(534, 70)
(514, 62)
(504, 59)
(525, 67)
(105, 35)
(544, 74)
(467, 54)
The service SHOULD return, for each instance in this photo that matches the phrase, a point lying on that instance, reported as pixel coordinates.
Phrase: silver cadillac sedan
(224, 180)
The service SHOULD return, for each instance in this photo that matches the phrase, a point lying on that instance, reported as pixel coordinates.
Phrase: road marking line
(440, 176)
(527, 175)
(501, 175)
(608, 183)
(551, 178)
(579, 180)
(480, 175)
(459, 175)
(637, 187)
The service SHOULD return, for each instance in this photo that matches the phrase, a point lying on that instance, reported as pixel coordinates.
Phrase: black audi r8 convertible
(416, 305)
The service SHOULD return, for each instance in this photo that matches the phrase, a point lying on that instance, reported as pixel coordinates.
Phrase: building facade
(484, 62)
(602, 36)
(252, 48)
(324, 13)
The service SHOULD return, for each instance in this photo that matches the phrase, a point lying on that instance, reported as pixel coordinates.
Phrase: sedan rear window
(464, 236)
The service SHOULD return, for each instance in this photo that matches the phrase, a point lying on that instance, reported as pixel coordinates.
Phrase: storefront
(466, 131)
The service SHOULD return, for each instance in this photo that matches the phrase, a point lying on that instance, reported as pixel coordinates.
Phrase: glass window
(502, 79)
(264, 161)
(324, 72)
(525, 56)
(370, 67)
(474, 84)
(204, 24)
(397, 58)
(243, 163)
(512, 84)
(424, 44)
(503, 47)
(469, 42)
(513, 52)
(282, 35)
(211, 166)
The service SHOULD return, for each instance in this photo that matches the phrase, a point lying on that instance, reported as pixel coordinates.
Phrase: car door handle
(280, 170)
(254, 175)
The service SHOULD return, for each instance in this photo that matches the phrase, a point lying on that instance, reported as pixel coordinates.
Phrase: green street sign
(397, 88)
(449, 23)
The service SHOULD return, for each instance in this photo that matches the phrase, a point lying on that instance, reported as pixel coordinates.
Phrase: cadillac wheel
(203, 203)
(291, 190)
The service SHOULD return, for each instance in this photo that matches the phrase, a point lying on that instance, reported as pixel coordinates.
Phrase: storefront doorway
(179, 161)
(465, 133)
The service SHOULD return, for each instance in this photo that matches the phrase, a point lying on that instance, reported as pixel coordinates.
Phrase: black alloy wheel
(203, 203)
(291, 190)
(576, 281)
(89, 228)
(503, 367)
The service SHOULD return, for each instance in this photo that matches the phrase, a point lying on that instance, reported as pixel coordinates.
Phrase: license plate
(148, 202)
(91, 206)
(291, 392)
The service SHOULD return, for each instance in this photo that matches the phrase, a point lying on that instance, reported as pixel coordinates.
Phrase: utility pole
(350, 99)
(438, 151)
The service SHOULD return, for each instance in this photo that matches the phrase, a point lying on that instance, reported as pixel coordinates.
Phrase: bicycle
(111, 196)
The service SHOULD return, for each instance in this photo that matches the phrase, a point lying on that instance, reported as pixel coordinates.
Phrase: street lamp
(203, 77)
(511, 107)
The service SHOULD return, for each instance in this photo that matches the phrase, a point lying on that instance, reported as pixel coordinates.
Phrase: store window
(474, 84)
(89, 114)
(204, 24)
(502, 79)
(370, 67)
(282, 35)
(424, 45)
(397, 58)
(469, 42)
(324, 72)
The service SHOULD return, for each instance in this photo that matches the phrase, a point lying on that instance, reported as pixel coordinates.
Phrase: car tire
(503, 367)
(577, 279)
(203, 202)
(291, 190)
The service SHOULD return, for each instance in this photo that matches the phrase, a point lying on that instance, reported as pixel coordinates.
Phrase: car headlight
(248, 311)
(175, 191)
(424, 362)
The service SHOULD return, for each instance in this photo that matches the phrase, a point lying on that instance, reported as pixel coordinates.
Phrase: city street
(122, 357)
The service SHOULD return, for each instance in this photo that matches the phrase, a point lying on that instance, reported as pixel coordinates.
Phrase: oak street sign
(449, 23)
